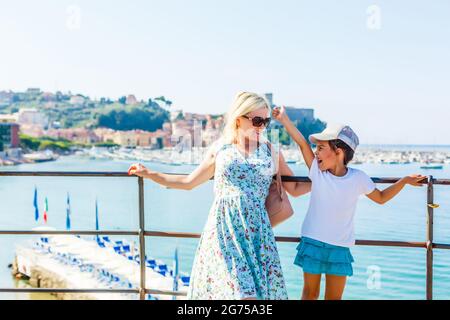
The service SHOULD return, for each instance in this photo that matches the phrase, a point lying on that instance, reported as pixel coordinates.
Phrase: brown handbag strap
(278, 181)
(279, 184)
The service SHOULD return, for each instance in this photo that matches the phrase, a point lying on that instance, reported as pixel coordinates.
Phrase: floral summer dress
(237, 255)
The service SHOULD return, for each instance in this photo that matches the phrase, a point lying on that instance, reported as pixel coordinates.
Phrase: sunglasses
(259, 121)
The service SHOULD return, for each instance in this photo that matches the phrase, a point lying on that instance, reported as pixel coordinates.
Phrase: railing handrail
(429, 245)
(381, 180)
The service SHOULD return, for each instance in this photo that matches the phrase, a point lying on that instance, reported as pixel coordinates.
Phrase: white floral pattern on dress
(237, 255)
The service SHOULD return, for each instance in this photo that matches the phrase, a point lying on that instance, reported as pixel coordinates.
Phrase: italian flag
(46, 210)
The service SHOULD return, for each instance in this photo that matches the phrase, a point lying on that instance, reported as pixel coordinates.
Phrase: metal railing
(429, 244)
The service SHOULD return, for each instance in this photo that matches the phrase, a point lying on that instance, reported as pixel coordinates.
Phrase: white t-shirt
(333, 204)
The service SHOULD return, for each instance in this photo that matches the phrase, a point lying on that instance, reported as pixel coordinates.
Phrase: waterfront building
(80, 135)
(9, 135)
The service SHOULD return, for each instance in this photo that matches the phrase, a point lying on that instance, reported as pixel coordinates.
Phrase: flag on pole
(68, 212)
(35, 204)
(175, 272)
(46, 210)
(96, 218)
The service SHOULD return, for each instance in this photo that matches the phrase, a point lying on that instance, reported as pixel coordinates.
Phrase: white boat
(40, 156)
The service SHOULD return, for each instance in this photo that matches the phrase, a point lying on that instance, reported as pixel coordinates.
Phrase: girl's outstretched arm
(201, 174)
(381, 197)
(280, 115)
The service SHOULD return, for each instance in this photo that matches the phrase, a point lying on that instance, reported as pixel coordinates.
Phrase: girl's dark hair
(348, 152)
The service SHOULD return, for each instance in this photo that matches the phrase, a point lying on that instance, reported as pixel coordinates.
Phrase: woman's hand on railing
(138, 170)
(201, 174)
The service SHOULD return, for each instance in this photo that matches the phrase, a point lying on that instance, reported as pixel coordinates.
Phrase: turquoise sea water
(379, 272)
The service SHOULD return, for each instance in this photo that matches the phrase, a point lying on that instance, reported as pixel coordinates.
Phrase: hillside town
(35, 122)
(41, 126)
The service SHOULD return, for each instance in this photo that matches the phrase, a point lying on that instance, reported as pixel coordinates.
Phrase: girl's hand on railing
(415, 180)
(137, 169)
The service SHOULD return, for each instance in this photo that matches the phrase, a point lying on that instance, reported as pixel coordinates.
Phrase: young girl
(328, 229)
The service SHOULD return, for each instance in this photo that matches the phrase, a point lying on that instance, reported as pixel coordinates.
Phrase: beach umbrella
(35, 204)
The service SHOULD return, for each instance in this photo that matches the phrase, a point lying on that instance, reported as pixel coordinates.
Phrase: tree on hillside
(122, 100)
(167, 103)
(136, 118)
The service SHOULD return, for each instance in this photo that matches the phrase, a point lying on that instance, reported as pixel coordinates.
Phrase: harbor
(140, 154)
(403, 269)
(430, 159)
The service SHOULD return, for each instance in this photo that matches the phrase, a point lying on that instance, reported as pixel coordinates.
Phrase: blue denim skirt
(318, 257)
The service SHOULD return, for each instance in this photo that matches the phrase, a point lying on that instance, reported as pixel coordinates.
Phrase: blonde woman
(237, 256)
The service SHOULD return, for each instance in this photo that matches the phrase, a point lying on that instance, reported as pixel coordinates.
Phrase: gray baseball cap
(337, 131)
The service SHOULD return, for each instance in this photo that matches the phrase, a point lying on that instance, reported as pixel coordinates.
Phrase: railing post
(141, 239)
(430, 211)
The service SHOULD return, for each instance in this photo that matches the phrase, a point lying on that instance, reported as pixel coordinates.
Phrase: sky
(381, 67)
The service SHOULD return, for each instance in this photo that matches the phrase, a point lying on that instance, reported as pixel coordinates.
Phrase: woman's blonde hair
(244, 103)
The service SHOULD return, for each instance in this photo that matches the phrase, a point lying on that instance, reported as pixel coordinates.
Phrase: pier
(68, 261)
(145, 287)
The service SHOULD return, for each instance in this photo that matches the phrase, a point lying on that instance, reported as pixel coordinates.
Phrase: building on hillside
(105, 134)
(48, 97)
(31, 116)
(167, 127)
(125, 138)
(80, 135)
(154, 140)
(143, 138)
(131, 100)
(77, 100)
(6, 98)
(9, 135)
(12, 118)
(176, 115)
(33, 93)
(32, 130)
(161, 139)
